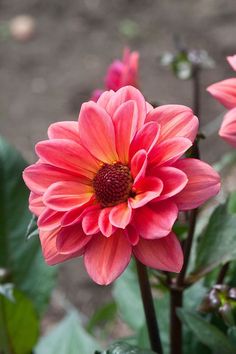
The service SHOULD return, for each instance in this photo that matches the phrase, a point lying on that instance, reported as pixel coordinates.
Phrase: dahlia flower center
(113, 184)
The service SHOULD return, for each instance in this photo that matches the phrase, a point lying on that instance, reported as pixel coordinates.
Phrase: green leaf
(105, 314)
(232, 203)
(127, 296)
(19, 327)
(206, 333)
(7, 291)
(22, 258)
(218, 243)
(68, 337)
(32, 229)
(231, 333)
(124, 348)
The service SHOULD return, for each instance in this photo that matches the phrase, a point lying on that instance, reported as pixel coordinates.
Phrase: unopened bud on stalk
(226, 313)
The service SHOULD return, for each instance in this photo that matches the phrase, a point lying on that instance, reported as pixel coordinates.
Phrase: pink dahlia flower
(225, 92)
(110, 185)
(120, 73)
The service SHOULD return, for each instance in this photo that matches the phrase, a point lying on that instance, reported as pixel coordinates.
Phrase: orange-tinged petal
(203, 183)
(106, 258)
(97, 133)
(63, 196)
(164, 253)
(120, 215)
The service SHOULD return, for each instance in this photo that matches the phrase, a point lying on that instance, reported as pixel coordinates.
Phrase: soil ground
(46, 79)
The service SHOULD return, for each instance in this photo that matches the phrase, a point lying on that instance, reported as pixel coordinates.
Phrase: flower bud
(232, 293)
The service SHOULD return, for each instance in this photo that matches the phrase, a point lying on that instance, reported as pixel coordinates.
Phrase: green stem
(5, 347)
(149, 309)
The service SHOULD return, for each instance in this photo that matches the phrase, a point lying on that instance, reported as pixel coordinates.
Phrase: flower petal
(49, 249)
(64, 130)
(156, 219)
(107, 229)
(36, 205)
(75, 215)
(50, 219)
(97, 132)
(145, 138)
(90, 221)
(124, 94)
(63, 196)
(40, 176)
(120, 215)
(225, 92)
(228, 128)
(175, 121)
(105, 98)
(125, 123)
(68, 155)
(72, 239)
(203, 183)
(173, 179)
(169, 151)
(147, 189)
(132, 234)
(106, 258)
(139, 165)
(163, 254)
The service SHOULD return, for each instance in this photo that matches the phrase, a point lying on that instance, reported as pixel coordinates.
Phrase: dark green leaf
(22, 258)
(218, 243)
(68, 337)
(19, 327)
(232, 335)
(32, 229)
(124, 348)
(206, 333)
(232, 203)
(104, 314)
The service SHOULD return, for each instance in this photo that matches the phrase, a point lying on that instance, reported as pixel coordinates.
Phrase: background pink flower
(225, 92)
(120, 73)
(111, 184)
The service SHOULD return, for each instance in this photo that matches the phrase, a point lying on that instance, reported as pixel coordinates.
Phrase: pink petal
(90, 221)
(120, 215)
(156, 219)
(145, 138)
(139, 165)
(147, 189)
(75, 215)
(68, 155)
(63, 196)
(232, 61)
(174, 180)
(169, 151)
(72, 239)
(132, 234)
(107, 229)
(124, 94)
(64, 130)
(36, 205)
(225, 92)
(163, 254)
(106, 258)
(228, 128)
(49, 249)
(125, 123)
(203, 183)
(175, 121)
(97, 132)
(105, 98)
(40, 176)
(49, 219)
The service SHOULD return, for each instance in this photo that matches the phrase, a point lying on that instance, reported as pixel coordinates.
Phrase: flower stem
(149, 309)
(176, 300)
(222, 273)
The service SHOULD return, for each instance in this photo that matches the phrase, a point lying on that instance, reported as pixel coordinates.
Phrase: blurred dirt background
(46, 79)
